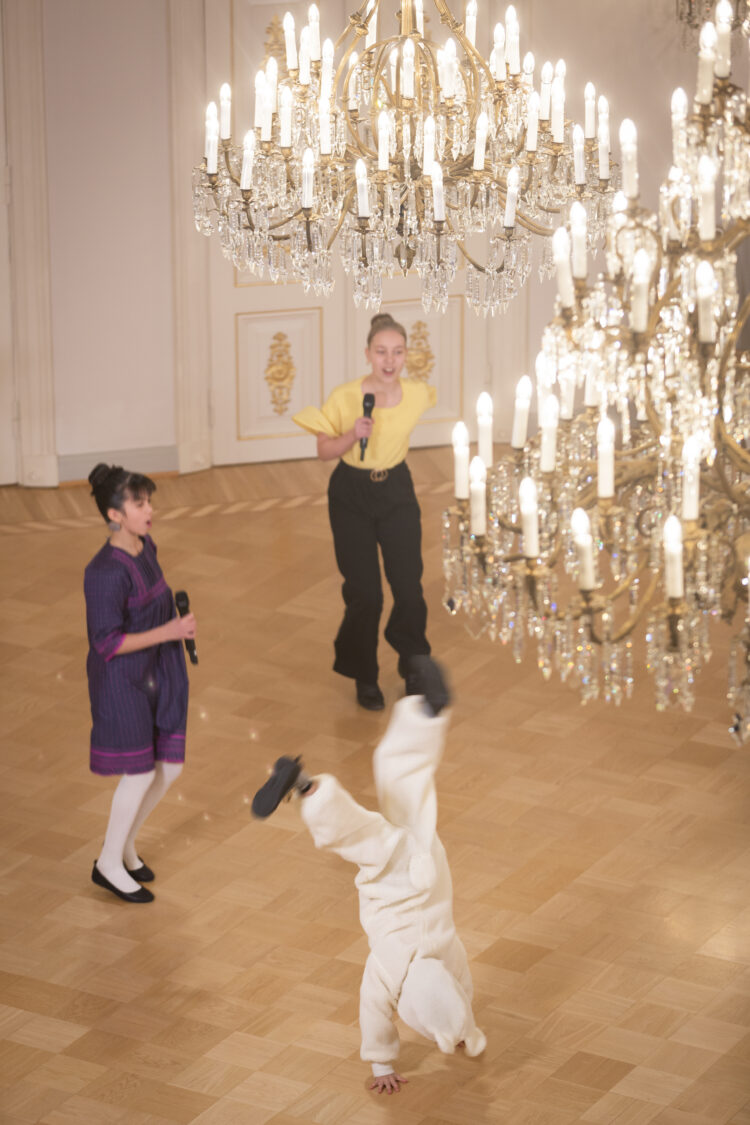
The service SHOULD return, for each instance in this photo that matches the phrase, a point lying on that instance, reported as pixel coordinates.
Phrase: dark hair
(111, 486)
(381, 323)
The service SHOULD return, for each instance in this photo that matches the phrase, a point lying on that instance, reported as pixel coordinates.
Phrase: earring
(113, 525)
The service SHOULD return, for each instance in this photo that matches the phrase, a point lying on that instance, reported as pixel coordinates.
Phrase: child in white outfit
(417, 964)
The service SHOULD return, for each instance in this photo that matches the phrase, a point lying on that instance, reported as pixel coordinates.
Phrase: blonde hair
(382, 322)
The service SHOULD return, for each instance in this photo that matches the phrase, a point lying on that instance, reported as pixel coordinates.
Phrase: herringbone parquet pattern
(601, 858)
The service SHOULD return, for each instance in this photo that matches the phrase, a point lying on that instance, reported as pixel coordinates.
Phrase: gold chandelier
(402, 152)
(630, 511)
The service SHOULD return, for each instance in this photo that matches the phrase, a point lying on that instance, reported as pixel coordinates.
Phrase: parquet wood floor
(601, 858)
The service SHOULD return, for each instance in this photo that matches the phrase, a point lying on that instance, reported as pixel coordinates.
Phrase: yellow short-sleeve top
(392, 427)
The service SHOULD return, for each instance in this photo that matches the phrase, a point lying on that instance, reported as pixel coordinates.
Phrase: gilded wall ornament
(274, 45)
(420, 359)
(280, 372)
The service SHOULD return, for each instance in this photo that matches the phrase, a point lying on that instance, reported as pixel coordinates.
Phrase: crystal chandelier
(400, 151)
(695, 13)
(629, 515)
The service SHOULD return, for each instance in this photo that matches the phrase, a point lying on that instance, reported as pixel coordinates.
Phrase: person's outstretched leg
(165, 773)
(126, 802)
(409, 753)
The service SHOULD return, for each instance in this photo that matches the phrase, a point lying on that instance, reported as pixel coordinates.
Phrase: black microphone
(367, 404)
(182, 601)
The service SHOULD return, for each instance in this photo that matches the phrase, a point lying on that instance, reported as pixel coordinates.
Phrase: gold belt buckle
(378, 474)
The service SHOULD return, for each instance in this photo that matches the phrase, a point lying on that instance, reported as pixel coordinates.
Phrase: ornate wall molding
(23, 51)
(187, 69)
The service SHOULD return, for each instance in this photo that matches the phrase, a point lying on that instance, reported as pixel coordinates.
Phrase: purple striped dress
(138, 700)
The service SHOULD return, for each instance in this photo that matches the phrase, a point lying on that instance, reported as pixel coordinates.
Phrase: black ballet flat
(141, 895)
(143, 874)
(370, 696)
(283, 778)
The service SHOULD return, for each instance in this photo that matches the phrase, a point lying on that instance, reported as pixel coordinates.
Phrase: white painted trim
(23, 51)
(187, 71)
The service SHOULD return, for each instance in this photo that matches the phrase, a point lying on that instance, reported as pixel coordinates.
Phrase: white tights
(135, 797)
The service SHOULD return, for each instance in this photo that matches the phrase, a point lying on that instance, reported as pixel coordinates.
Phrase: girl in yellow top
(371, 504)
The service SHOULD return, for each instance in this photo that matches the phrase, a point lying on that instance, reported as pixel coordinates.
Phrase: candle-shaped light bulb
(248, 158)
(691, 459)
(438, 198)
(363, 191)
(384, 137)
(313, 22)
(639, 302)
(605, 446)
(272, 82)
(372, 24)
(580, 527)
(511, 198)
(704, 87)
(724, 20)
(470, 22)
(673, 577)
(679, 120)
(460, 440)
(286, 101)
(351, 90)
(449, 71)
(212, 129)
(308, 171)
(578, 223)
(304, 56)
(428, 145)
(705, 286)
(266, 117)
(528, 70)
(589, 111)
(260, 85)
(225, 100)
(419, 16)
(512, 41)
(602, 135)
(497, 56)
(532, 122)
(326, 75)
(527, 502)
(561, 70)
(706, 199)
(478, 495)
(480, 142)
(561, 255)
(290, 42)
(579, 160)
(557, 123)
(407, 70)
(324, 125)
(524, 390)
(550, 414)
(629, 152)
(545, 96)
(484, 428)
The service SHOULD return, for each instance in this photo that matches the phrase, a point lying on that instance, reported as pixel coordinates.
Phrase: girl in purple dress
(138, 683)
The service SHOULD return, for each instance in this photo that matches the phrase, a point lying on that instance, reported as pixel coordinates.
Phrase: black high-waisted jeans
(367, 513)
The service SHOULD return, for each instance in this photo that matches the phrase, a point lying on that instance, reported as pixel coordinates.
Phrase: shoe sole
(269, 796)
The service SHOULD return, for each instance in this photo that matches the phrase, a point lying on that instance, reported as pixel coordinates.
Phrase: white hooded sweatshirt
(417, 963)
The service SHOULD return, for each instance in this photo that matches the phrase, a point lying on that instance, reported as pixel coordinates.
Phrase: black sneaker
(282, 780)
(424, 677)
(370, 696)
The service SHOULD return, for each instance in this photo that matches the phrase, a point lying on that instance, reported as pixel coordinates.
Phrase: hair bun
(99, 474)
(380, 320)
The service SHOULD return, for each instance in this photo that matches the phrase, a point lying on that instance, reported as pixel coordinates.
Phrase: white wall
(8, 466)
(108, 158)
